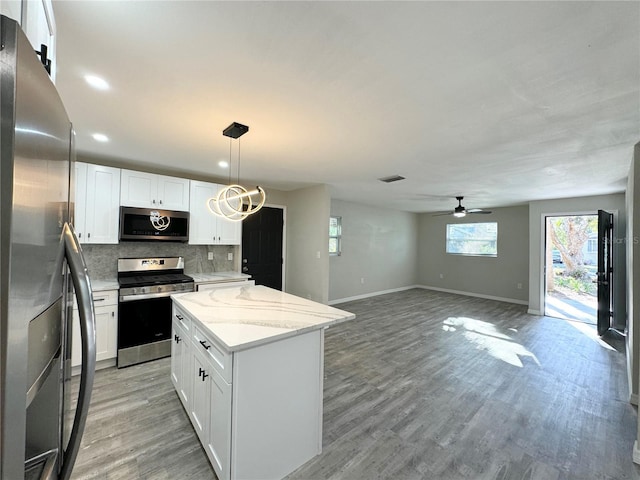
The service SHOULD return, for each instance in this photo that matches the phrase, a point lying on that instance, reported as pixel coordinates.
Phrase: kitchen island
(247, 363)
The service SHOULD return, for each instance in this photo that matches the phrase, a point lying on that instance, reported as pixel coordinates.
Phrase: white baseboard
(438, 289)
(371, 294)
(636, 452)
(478, 295)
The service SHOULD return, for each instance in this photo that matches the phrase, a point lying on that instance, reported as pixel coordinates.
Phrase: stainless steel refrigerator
(40, 265)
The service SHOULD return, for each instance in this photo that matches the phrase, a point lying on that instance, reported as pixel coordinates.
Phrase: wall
(378, 245)
(633, 278)
(493, 277)
(570, 206)
(307, 269)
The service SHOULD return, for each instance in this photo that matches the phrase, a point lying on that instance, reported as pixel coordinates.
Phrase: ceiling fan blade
(441, 214)
(479, 210)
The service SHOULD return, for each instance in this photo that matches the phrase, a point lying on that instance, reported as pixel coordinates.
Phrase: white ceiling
(503, 102)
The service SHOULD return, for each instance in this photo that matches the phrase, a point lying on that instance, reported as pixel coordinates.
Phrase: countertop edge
(262, 341)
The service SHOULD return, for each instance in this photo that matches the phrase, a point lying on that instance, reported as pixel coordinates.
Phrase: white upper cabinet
(97, 203)
(205, 228)
(36, 19)
(148, 190)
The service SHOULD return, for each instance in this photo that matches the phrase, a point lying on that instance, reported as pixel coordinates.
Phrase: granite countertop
(246, 316)
(218, 277)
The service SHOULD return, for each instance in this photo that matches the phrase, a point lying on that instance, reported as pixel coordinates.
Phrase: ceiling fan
(461, 211)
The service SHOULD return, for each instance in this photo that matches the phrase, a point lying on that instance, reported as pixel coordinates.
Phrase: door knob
(244, 260)
(245, 269)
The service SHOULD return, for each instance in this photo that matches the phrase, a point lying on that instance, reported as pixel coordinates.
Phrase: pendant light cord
(229, 161)
(238, 161)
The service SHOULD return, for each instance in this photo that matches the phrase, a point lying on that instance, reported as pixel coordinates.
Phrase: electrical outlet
(230, 256)
(209, 255)
(519, 286)
(441, 276)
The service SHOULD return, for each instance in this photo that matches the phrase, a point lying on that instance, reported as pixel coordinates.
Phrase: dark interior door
(262, 247)
(605, 284)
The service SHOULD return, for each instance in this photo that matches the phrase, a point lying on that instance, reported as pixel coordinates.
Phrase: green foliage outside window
(473, 239)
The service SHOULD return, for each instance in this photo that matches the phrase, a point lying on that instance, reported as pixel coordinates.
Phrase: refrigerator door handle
(84, 294)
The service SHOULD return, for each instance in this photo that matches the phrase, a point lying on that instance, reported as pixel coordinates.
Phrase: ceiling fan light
(459, 214)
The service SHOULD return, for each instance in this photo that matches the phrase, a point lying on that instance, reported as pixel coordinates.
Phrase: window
(335, 235)
(473, 239)
(592, 245)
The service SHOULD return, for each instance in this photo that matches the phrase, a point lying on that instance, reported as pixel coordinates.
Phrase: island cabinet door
(218, 445)
(181, 364)
(200, 405)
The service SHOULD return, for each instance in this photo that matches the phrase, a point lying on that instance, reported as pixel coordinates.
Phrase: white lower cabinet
(200, 406)
(218, 443)
(181, 360)
(257, 412)
(105, 305)
(205, 395)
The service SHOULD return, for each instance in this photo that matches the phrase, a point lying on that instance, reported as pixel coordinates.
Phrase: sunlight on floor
(590, 332)
(486, 337)
(569, 309)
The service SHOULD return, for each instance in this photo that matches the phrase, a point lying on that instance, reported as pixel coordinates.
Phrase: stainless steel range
(144, 307)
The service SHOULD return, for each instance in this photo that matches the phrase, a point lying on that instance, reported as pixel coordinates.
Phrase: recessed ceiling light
(223, 164)
(100, 137)
(97, 82)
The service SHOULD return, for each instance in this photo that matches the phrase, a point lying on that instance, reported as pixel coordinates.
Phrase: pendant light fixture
(234, 202)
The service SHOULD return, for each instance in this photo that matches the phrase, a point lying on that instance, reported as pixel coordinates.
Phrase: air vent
(392, 178)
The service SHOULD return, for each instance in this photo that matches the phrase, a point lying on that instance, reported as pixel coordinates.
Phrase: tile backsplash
(102, 260)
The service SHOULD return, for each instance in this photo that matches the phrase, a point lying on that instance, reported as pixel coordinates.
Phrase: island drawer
(182, 318)
(219, 359)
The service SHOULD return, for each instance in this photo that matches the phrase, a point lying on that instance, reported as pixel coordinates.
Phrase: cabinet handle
(153, 201)
(179, 317)
(202, 373)
(177, 338)
(160, 202)
(113, 314)
(46, 62)
(204, 344)
(79, 234)
(98, 300)
(88, 235)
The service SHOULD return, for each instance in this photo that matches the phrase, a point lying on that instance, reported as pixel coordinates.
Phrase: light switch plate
(209, 255)
(230, 256)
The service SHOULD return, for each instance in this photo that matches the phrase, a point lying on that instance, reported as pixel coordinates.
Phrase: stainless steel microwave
(151, 224)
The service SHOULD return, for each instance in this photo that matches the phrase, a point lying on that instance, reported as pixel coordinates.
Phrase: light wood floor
(422, 385)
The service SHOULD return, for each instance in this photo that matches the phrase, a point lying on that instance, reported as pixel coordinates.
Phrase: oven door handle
(146, 296)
